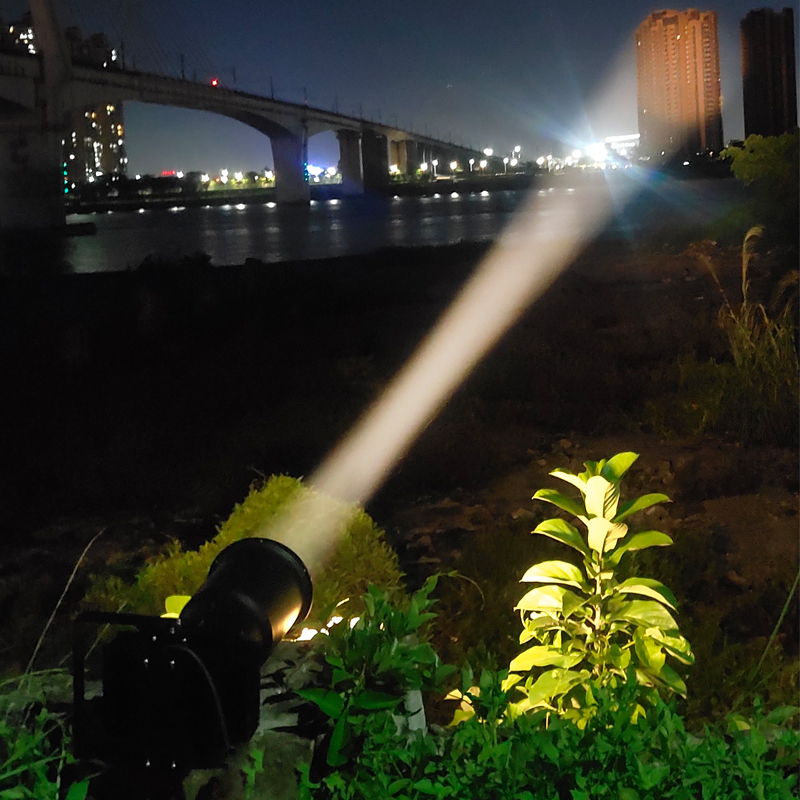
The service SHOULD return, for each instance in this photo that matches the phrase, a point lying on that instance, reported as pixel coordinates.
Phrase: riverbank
(143, 405)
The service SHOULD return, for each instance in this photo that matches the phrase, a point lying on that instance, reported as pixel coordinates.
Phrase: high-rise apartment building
(94, 144)
(677, 79)
(768, 72)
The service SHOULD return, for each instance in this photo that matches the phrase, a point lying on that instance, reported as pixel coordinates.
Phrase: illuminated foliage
(589, 629)
(362, 556)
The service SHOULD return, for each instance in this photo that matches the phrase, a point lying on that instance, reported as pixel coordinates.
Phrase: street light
(482, 164)
(453, 166)
(434, 164)
(471, 164)
(517, 148)
(488, 151)
(505, 166)
(514, 162)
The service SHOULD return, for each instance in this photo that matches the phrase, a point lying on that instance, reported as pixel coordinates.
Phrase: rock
(522, 513)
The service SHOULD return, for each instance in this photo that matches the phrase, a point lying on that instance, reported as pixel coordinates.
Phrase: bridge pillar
(31, 179)
(288, 156)
(374, 159)
(350, 163)
(404, 154)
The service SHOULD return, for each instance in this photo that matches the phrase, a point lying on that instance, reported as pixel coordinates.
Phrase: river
(230, 234)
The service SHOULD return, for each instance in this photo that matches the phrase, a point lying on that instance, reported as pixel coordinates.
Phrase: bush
(362, 556)
(654, 758)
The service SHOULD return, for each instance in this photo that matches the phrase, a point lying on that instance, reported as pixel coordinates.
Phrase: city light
(487, 151)
(454, 165)
(204, 178)
(238, 176)
(517, 148)
(423, 166)
(482, 163)
(597, 152)
(540, 161)
(331, 171)
(513, 162)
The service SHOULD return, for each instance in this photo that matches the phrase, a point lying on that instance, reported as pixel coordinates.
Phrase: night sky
(489, 74)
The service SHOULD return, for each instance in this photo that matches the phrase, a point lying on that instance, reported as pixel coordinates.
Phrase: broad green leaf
(553, 684)
(649, 588)
(645, 501)
(339, 739)
(374, 701)
(563, 501)
(329, 702)
(674, 643)
(620, 657)
(604, 534)
(647, 613)
(562, 531)
(555, 571)
(672, 679)
(649, 651)
(602, 497)
(569, 477)
(639, 541)
(544, 656)
(542, 598)
(617, 466)
(78, 791)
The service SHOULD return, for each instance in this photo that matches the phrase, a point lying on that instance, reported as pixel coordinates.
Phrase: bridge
(40, 92)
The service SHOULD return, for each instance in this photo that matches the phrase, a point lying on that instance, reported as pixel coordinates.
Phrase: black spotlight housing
(178, 694)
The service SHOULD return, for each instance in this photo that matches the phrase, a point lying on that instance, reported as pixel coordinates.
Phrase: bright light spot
(333, 202)
(471, 161)
(435, 162)
(517, 148)
(224, 173)
(179, 174)
(484, 193)
(424, 166)
(204, 178)
(224, 178)
(241, 206)
(270, 204)
(513, 162)
(569, 161)
(540, 160)
(685, 163)
(142, 210)
(269, 174)
(138, 177)
(354, 621)
(238, 176)
(314, 171)
(394, 169)
(482, 163)
(454, 165)
(505, 160)
(577, 153)
(331, 171)
(453, 194)
(307, 634)
(487, 151)
(334, 620)
(597, 152)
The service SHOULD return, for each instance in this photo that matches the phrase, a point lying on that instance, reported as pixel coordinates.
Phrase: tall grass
(755, 395)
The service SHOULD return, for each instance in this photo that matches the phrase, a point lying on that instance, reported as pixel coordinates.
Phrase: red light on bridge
(215, 81)
(168, 173)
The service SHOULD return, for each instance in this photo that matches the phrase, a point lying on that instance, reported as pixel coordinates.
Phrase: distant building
(768, 72)
(94, 144)
(677, 80)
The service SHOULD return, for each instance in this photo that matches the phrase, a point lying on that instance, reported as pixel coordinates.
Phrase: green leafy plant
(587, 626)
(34, 741)
(372, 666)
(523, 758)
(362, 556)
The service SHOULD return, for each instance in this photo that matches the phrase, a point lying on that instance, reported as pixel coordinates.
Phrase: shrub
(362, 556)
(654, 758)
(590, 628)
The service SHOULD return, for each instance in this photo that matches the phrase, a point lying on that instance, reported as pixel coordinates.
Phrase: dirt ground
(157, 429)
